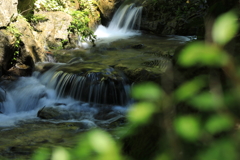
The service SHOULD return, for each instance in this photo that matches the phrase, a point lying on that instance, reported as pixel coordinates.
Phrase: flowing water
(85, 87)
(125, 23)
(88, 87)
(77, 91)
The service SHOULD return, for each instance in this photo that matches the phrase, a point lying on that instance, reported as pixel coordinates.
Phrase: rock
(16, 71)
(25, 62)
(74, 4)
(138, 46)
(116, 121)
(8, 10)
(170, 28)
(85, 124)
(61, 111)
(43, 67)
(107, 8)
(32, 48)
(54, 112)
(5, 53)
(54, 30)
(90, 82)
(167, 18)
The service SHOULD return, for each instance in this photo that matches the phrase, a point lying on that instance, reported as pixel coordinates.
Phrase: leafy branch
(17, 43)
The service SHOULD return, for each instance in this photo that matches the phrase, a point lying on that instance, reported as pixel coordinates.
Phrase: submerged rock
(61, 111)
(53, 112)
(138, 46)
(85, 125)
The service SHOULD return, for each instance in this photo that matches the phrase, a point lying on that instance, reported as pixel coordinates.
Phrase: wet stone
(85, 125)
(53, 112)
(138, 46)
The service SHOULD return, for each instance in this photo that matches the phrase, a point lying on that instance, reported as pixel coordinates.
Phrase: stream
(86, 85)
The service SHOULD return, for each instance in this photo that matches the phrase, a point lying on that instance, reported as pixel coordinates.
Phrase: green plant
(36, 18)
(49, 5)
(17, 42)
(79, 25)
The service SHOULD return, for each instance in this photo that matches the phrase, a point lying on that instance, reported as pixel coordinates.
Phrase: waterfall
(125, 22)
(83, 89)
(89, 82)
(126, 18)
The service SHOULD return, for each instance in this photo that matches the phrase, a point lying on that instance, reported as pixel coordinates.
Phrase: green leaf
(220, 150)
(206, 101)
(203, 54)
(219, 123)
(60, 153)
(147, 91)
(225, 28)
(97, 145)
(41, 154)
(141, 112)
(163, 157)
(188, 127)
(189, 89)
(102, 142)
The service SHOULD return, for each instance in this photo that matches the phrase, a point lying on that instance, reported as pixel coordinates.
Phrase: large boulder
(54, 31)
(8, 10)
(32, 48)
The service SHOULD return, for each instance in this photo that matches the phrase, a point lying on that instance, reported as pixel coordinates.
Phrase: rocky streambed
(140, 58)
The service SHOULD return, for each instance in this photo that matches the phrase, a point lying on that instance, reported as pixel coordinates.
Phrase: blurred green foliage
(210, 133)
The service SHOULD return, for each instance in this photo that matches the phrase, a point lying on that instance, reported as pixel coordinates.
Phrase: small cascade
(89, 82)
(125, 22)
(126, 18)
(26, 94)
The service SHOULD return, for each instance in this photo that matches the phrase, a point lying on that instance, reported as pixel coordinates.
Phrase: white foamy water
(125, 23)
(23, 100)
(26, 96)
